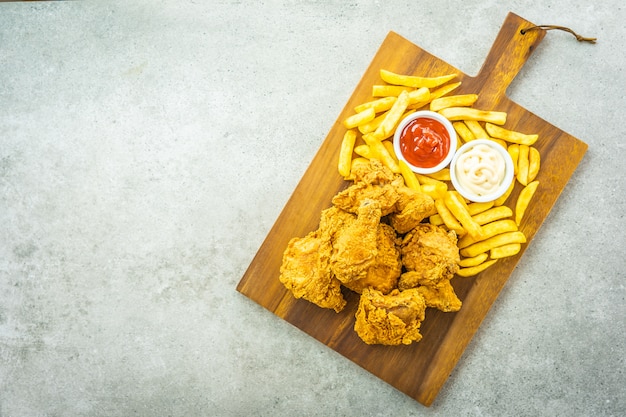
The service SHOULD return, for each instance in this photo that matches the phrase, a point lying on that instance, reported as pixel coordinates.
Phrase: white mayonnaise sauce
(480, 170)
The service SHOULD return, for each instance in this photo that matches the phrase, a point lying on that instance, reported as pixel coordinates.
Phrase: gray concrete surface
(147, 147)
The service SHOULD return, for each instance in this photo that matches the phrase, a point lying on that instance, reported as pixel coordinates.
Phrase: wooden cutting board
(421, 369)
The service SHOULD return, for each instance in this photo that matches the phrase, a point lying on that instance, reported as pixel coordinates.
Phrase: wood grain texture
(421, 369)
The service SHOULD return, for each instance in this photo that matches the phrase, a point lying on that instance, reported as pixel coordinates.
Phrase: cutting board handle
(508, 54)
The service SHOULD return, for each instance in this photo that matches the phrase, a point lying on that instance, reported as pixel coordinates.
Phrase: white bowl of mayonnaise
(481, 170)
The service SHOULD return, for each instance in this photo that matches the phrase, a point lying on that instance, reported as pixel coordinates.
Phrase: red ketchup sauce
(424, 142)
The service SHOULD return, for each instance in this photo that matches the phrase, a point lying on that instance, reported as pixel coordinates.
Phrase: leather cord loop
(563, 28)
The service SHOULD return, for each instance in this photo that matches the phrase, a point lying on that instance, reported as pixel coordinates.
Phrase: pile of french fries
(487, 231)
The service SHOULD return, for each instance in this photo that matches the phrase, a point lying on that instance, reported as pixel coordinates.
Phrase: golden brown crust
(305, 274)
(431, 253)
(391, 319)
(384, 273)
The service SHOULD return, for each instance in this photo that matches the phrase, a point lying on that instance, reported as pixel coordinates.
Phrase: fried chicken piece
(305, 269)
(371, 182)
(333, 221)
(307, 275)
(353, 197)
(366, 253)
(374, 172)
(391, 319)
(411, 208)
(374, 181)
(383, 274)
(431, 253)
(431, 257)
(440, 296)
(355, 248)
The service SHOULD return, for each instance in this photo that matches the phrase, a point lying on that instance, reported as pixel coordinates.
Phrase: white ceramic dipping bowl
(504, 183)
(429, 115)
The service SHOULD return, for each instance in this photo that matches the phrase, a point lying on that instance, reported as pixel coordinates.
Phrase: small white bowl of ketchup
(425, 141)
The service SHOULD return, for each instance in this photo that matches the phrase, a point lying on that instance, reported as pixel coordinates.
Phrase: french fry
(534, 163)
(493, 242)
(462, 199)
(493, 214)
(502, 199)
(443, 175)
(513, 150)
(499, 142)
(432, 187)
(364, 151)
(370, 138)
(448, 218)
(461, 100)
(434, 94)
(373, 125)
(436, 220)
(476, 260)
(426, 179)
(369, 127)
(443, 90)
(380, 152)
(410, 180)
(522, 165)
(505, 251)
(345, 153)
(477, 129)
(384, 156)
(419, 95)
(510, 135)
(463, 131)
(480, 133)
(523, 200)
(389, 146)
(389, 90)
(365, 116)
(393, 116)
(379, 105)
(475, 270)
(470, 113)
(435, 190)
(489, 230)
(458, 208)
(475, 208)
(414, 81)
